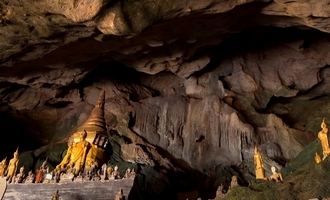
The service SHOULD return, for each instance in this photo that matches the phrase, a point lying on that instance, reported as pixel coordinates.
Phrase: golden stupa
(95, 127)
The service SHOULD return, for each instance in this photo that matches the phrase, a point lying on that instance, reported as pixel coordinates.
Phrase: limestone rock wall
(193, 82)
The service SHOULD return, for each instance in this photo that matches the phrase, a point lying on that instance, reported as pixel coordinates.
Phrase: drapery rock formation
(189, 84)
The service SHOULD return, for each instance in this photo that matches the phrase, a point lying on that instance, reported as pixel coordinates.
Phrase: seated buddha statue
(259, 165)
(30, 177)
(276, 176)
(76, 155)
(12, 167)
(19, 178)
(3, 167)
(323, 137)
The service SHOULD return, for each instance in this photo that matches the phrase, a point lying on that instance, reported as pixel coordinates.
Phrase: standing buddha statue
(3, 167)
(323, 137)
(12, 167)
(259, 165)
(276, 176)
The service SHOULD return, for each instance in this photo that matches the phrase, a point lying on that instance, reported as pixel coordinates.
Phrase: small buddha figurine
(323, 137)
(317, 158)
(276, 176)
(41, 172)
(234, 182)
(76, 154)
(127, 173)
(115, 174)
(109, 172)
(103, 173)
(48, 177)
(19, 178)
(3, 167)
(12, 167)
(133, 173)
(259, 165)
(30, 177)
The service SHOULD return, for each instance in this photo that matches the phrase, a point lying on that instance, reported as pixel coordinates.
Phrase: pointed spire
(323, 124)
(96, 121)
(101, 100)
(255, 150)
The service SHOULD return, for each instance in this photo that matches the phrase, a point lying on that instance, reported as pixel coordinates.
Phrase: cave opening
(16, 133)
(190, 89)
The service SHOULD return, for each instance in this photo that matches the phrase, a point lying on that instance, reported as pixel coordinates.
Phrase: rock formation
(191, 85)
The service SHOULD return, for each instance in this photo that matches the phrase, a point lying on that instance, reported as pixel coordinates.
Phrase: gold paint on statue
(96, 140)
(3, 167)
(317, 158)
(12, 167)
(259, 165)
(76, 155)
(323, 137)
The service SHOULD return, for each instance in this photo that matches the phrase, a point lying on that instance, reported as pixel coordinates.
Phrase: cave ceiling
(208, 77)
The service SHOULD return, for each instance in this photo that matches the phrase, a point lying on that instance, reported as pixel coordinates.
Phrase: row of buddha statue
(44, 175)
(9, 170)
(277, 176)
(87, 151)
(85, 158)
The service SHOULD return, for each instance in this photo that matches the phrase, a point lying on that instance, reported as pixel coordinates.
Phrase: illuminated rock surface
(191, 86)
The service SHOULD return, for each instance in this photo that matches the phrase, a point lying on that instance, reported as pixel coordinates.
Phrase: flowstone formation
(191, 88)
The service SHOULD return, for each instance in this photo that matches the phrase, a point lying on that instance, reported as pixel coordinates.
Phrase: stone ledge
(69, 191)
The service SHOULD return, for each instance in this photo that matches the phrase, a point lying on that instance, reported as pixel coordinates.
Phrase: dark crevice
(57, 104)
(16, 133)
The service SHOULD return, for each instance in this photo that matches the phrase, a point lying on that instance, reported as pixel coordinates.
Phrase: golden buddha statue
(3, 167)
(323, 137)
(96, 135)
(12, 167)
(317, 158)
(259, 165)
(76, 155)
